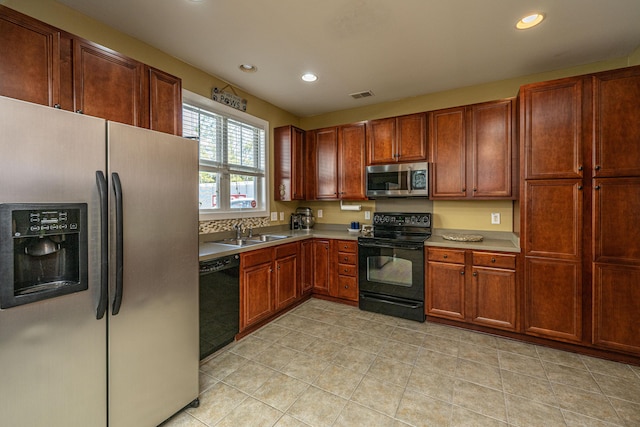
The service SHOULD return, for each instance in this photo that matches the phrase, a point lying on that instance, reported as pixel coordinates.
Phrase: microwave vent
(358, 95)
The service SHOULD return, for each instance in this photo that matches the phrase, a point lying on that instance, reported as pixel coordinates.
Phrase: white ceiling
(397, 49)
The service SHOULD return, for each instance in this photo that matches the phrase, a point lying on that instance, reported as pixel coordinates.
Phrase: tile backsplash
(206, 227)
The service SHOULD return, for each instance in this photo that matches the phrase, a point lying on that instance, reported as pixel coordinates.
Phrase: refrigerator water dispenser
(43, 251)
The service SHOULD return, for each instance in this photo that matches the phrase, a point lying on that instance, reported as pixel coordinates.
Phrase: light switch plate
(274, 216)
(367, 214)
(320, 213)
(281, 216)
(495, 218)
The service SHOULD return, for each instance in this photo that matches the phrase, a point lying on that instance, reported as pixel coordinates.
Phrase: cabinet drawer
(257, 257)
(453, 256)
(347, 246)
(286, 250)
(345, 258)
(347, 269)
(488, 259)
(347, 288)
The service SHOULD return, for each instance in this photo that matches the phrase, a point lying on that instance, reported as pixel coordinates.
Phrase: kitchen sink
(240, 242)
(267, 237)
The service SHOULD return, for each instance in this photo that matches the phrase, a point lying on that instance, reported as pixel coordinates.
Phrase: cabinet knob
(346, 270)
(464, 189)
(580, 168)
(597, 187)
(579, 187)
(597, 167)
(462, 273)
(57, 106)
(475, 273)
(79, 111)
(493, 260)
(475, 189)
(446, 256)
(346, 286)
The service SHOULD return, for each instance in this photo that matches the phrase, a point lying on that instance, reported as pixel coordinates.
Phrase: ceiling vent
(358, 95)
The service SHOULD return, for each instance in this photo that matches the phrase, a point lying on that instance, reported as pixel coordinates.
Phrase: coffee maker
(306, 218)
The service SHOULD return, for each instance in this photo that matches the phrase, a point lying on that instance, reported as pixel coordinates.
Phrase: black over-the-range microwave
(398, 180)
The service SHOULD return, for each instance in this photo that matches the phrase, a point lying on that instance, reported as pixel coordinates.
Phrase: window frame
(207, 104)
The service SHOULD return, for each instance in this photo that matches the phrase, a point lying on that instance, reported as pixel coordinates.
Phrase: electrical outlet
(274, 216)
(320, 213)
(495, 218)
(367, 214)
(281, 216)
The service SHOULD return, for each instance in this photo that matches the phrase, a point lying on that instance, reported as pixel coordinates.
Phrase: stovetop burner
(401, 227)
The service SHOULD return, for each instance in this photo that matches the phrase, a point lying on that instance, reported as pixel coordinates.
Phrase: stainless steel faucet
(238, 228)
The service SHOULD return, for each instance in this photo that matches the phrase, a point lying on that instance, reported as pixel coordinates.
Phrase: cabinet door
(445, 290)
(616, 216)
(553, 299)
(107, 84)
(29, 65)
(298, 169)
(381, 141)
(411, 139)
(306, 270)
(321, 274)
(286, 280)
(351, 158)
(326, 163)
(551, 125)
(616, 318)
(256, 294)
(616, 107)
(164, 102)
(553, 219)
(493, 298)
(283, 163)
(490, 149)
(347, 287)
(447, 140)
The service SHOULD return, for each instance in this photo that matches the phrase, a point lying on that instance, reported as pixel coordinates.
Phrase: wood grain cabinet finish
(306, 266)
(339, 162)
(289, 162)
(344, 282)
(321, 265)
(472, 150)
(445, 284)
(269, 282)
(493, 296)
(29, 59)
(397, 139)
(45, 65)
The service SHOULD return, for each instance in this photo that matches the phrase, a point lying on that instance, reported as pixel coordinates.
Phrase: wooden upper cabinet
(289, 162)
(107, 84)
(164, 102)
(326, 163)
(397, 139)
(490, 149)
(616, 105)
(551, 128)
(447, 141)
(351, 161)
(29, 59)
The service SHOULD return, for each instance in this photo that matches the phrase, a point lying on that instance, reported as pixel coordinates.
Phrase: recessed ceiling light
(530, 21)
(248, 68)
(309, 77)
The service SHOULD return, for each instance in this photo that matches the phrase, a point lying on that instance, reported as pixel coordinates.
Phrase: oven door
(391, 269)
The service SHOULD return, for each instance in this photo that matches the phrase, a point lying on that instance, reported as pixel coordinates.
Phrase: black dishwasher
(219, 303)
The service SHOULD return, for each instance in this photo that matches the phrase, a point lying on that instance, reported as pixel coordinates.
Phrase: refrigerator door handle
(117, 189)
(101, 182)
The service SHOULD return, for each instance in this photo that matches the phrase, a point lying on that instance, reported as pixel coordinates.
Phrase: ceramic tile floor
(327, 364)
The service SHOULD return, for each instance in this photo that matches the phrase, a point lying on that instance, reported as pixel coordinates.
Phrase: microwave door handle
(409, 180)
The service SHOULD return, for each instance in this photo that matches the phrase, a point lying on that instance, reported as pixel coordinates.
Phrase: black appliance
(398, 180)
(391, 265)
(219, 303)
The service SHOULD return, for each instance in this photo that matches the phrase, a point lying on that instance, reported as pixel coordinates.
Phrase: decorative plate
(463, 237)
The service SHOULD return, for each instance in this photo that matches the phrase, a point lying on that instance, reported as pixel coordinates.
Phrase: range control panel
(403, 219)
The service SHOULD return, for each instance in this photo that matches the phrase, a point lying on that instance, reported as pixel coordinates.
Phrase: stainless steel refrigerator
(98, 271)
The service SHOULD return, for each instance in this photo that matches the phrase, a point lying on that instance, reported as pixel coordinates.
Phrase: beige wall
(450, 214)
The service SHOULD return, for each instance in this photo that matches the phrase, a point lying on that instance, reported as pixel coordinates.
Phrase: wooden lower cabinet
(472, 286)
(319, 265)
(268, 282)
(344, 283)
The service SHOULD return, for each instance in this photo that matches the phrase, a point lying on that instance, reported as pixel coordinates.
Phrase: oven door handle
(379, 245)
(412, 306)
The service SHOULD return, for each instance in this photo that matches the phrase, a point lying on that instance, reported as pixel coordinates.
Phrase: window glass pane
(209, 190)
(244, 192)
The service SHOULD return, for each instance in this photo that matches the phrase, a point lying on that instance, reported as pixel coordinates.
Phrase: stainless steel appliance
(99, 312)
(219, 303)
(391, 265)
(295, 222)
(307, 219)
(398, 180)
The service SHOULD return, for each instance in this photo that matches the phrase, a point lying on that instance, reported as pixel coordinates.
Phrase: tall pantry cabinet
(580, 166)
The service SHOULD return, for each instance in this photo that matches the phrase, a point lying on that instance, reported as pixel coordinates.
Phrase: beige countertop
(492, 241)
